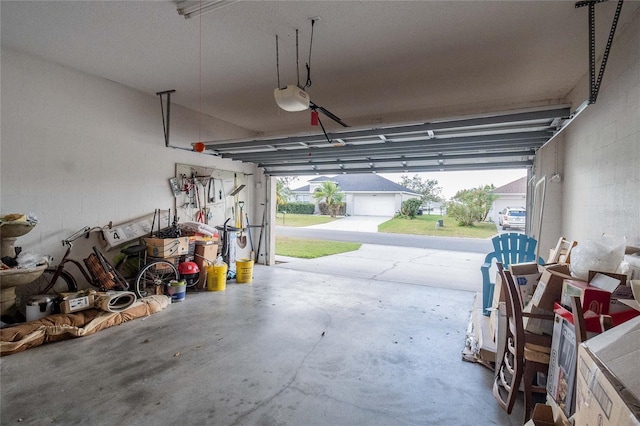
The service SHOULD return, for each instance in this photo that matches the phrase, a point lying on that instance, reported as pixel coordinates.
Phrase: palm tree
(281, 196)
(330, 194)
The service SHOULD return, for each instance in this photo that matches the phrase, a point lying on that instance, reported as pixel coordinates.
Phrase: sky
(450, 182)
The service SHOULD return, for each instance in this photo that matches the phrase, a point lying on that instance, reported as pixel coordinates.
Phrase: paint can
(177, 290)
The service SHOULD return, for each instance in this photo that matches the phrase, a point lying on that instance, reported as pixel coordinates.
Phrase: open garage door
(374, 205)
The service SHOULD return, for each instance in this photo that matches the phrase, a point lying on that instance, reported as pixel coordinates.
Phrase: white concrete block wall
(549, 161)
(601, 180)
(80, 150)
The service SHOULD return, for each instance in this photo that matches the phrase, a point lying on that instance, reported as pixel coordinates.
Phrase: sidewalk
(353, 223)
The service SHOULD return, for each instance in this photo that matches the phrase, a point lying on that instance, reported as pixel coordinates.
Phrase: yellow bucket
(244, 271)
(216, 277)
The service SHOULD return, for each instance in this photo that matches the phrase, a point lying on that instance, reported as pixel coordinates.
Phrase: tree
(428, 189)
(330, 194)
(471, 205)
(283, 193)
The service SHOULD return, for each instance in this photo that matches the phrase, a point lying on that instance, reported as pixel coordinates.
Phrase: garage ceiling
(424, 85)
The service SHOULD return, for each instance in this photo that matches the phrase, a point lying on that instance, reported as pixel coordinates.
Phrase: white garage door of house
(374, 205)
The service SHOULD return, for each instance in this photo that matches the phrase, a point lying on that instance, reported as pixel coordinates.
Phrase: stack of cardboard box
(579, 382)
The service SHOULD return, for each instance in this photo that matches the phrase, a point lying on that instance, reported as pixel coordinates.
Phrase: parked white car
(512, 217)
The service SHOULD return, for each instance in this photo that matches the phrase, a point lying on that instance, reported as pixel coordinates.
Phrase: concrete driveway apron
(455, 270)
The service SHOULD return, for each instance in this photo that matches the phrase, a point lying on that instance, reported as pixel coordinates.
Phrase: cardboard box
(634, 265)
(167, 247)
(562, 365)
(526, 276)
(498, 296)
(542, 415)
(549, 288)
(616, 284)
(537, 325)
(592, 298)
(173, 260)
(205, 253)
(596, 324)
(607, 384)
(76, 302)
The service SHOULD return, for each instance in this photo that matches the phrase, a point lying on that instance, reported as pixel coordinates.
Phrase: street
(472, 245)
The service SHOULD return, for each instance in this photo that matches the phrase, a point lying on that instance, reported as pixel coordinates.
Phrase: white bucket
(39, 307)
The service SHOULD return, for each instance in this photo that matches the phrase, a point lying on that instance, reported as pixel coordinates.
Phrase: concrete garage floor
(292, 348)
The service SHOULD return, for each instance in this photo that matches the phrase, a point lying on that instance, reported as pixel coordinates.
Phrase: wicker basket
(104, 278)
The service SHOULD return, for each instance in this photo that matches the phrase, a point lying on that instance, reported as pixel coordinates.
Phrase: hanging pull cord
(308, 83)
(277, 61)
(297, 66)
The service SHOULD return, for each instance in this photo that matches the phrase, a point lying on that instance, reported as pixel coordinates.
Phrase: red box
(594, 323)
(592, 298)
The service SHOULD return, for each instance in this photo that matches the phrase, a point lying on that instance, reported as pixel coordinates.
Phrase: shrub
(471, 205)
(324, 209)
(297, 208)
(410, 208)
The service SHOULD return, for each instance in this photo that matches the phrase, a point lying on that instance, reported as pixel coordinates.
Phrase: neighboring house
(435, 207)
(365, 194)
(513, 194)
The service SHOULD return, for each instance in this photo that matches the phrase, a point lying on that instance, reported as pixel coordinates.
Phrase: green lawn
(291, 219)
(422, 225)
(309, 249)
(426, 225)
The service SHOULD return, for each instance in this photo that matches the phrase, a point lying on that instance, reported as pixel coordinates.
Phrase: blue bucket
(177, 290)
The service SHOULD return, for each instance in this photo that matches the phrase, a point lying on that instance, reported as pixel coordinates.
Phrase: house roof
(516, 187)
(302, 189)
(369, 182)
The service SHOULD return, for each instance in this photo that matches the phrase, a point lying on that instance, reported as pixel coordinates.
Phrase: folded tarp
(115, 301)
(66, 326)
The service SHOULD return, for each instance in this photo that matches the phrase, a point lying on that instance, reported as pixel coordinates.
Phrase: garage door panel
(374, 205)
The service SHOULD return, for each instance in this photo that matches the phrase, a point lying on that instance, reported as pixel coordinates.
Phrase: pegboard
(206, 195)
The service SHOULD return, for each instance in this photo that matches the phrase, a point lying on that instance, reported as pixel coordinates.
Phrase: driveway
(441, 262)
(354, 223)
(452, 270)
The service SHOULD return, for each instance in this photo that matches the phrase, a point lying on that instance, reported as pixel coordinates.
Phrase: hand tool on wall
(235, 200)
(242, 239)
(234, 193)
(155, 212)
(211, 191)
(264, 213)
(205, 209)
(252, 253)
(200, 210)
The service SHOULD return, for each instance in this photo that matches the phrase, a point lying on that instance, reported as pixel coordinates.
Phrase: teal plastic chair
(508, 249)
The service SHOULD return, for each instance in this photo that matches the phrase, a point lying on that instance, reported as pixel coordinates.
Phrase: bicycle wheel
(154, 277)
(43, 285)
